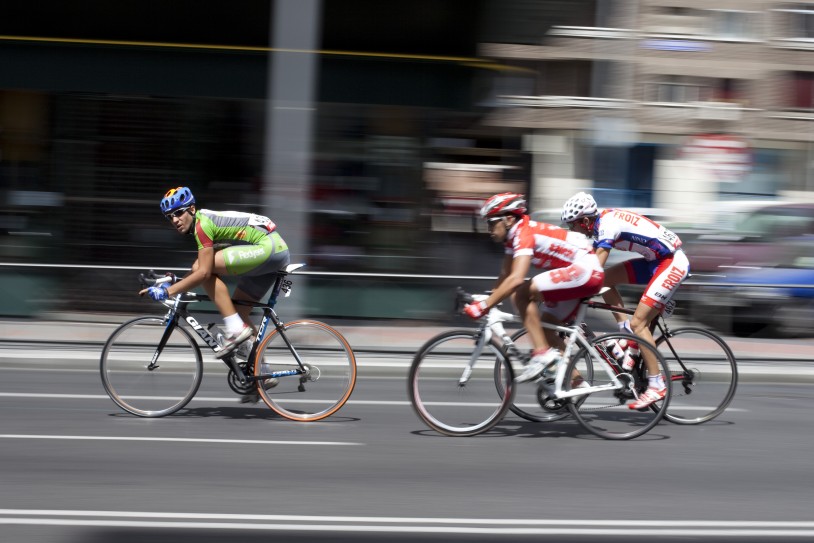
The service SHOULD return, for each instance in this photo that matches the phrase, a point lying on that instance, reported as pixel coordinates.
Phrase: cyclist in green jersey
(229, 243)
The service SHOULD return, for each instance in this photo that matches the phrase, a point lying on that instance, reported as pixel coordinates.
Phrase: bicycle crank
(546, 400)
(240, 387)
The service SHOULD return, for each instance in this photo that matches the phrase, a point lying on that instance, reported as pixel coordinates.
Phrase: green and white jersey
(254, 247)
(231, 227)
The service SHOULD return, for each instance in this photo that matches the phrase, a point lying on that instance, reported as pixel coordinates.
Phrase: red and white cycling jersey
(549, 246)
(628, 231)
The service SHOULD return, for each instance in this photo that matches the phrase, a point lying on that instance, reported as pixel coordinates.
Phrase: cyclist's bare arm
(513, 275)
(602, 254)
(198, 274)
(201, 270)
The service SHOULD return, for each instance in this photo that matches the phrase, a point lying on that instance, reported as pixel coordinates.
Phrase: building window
(681, 89)
(677, 21)
(799, 21)
(802, 90)
(732, 24)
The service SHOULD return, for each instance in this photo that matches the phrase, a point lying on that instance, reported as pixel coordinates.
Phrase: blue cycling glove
(158, 293)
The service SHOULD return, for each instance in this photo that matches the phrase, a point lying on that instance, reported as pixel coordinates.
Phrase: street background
(371, 133)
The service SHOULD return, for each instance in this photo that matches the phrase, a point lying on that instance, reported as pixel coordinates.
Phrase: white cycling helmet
(579, 205)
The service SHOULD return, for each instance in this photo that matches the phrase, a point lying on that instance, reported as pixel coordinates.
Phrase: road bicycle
(461, 382)
(702, 368)
(303, 370)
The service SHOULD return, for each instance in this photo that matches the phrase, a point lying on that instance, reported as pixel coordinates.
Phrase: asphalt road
(74, 467)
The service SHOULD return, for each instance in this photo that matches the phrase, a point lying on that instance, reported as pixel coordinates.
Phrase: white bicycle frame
(494, 326)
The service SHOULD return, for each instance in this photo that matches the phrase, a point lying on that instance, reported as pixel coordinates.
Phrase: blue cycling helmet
(177, 198)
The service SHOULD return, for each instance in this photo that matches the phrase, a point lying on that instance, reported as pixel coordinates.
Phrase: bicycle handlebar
(151, 278)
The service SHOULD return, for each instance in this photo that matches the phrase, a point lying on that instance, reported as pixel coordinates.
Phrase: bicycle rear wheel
(128, 379)
(330, 371)
(447, 397)
(529, 401)
(606, 413)
(703, 371)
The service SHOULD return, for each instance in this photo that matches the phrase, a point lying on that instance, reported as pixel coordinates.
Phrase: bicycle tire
(329, 381)
(606, 413)
(527, 402)
(704, 373)
(139, 390)
(442, 401)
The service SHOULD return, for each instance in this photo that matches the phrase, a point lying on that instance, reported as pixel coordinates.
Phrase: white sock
(234, 324)
(655, 381)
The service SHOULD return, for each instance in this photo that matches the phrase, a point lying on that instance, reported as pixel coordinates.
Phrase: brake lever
(150, 279)
(462, 298)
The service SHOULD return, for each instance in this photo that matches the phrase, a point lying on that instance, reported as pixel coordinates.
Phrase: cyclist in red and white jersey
(573, 271)
(662, 267)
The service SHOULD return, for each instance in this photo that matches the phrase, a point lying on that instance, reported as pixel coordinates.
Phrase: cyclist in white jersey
(571, 271)
(662, 267)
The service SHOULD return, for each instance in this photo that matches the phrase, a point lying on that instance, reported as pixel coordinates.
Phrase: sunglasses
(490, 223)
(175, 214)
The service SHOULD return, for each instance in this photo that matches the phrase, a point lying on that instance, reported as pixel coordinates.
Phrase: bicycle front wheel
(452, 386)
(143, 381)
(328, 363)
(703, 371)
(605, 412)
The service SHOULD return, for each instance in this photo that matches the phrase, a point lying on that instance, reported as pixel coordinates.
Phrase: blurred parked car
(775, 300)
(762, 236)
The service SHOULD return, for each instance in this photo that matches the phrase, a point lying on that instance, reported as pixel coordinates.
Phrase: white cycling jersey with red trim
(629, 231)
(548, 246)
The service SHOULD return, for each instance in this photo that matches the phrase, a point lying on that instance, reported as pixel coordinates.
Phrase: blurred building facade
(419, 112)
(103, 107)
(669, 103)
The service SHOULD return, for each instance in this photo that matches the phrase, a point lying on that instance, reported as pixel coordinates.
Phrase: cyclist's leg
(254, 284)
(256, 265)
(640, 324)
(215, 288)
(624, 273)
(560, 290)
(668, 274)
(255, 280)
(527, 300)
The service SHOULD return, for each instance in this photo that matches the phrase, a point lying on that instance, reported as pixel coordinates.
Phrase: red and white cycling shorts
(562, 288)
(661, 276)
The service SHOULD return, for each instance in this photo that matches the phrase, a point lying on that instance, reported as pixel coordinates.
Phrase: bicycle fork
(484, 336)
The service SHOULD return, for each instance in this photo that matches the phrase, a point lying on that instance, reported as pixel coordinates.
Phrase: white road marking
(629, 527)
(177, 440)
(397, 403)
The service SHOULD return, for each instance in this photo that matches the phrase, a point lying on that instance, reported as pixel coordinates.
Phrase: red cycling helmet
(506, 203)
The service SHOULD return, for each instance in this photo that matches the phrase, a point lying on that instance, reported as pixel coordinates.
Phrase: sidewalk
(360, 337)
(397, 337)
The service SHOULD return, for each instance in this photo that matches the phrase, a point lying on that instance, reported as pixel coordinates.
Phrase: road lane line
(631, 527)
(178, 440)
(638, 523)
(398, 403)
(40, 395)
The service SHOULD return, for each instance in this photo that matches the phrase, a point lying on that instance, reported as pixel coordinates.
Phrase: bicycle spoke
(704, 374)
(329, 367)
(605, 413)
(145, 392)
(450, 399)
